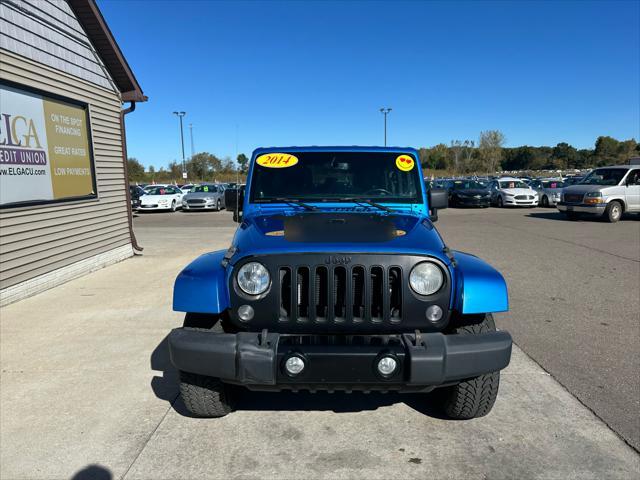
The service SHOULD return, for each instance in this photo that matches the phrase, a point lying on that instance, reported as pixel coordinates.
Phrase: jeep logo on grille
(337, 260)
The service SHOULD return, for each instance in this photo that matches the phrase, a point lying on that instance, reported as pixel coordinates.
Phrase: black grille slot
(377, 294)
(339, 294)
(573, 197)
(285, 294)
(302, 294)
(321, 299)
(358, 297)
(395, 294)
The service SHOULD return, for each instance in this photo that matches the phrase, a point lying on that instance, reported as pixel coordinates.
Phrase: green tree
(564, 155)
(243, 162)
(606, 151)
(490, 148)
(135, 170)
(203, 166)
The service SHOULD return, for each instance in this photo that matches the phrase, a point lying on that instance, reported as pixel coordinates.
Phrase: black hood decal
(328, 227)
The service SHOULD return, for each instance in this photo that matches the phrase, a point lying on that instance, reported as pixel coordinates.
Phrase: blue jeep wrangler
(337, 279)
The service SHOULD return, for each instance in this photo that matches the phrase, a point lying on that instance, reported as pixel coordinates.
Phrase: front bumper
(199, 206)
(338, 363)
(597, 209)
(154, 207)
(511, 201)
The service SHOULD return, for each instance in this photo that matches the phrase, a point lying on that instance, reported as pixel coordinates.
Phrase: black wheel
(545, 202)
(218, 205)
(475, 397)
(173, 206)
(205, 396)
(613, 212)
(500, 203)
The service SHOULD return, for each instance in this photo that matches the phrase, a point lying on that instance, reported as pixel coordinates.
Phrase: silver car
(606, 191)
(207, 196)
(549, 190)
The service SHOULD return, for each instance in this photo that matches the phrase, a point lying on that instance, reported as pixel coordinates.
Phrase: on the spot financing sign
(44, 149)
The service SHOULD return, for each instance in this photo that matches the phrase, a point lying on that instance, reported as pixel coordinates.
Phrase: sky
(252, 74)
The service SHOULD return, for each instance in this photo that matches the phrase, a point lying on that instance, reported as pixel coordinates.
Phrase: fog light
(245, 313)
(294, 365)
(434, 313)
(387, 365)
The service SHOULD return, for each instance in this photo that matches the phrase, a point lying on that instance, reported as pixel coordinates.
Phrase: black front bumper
(256, 360)
(471, 201)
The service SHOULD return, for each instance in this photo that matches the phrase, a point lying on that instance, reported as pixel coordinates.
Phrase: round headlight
(426, 278)
(253, 278)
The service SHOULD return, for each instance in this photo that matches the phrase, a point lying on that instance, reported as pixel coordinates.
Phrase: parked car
(608, 192)
(135, 193)
(160, 197)
(317, 293)
(510, 191)
(549, 190)
(207, 196)
(468, 193)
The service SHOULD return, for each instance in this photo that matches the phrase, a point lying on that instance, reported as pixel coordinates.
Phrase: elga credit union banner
(44, 149)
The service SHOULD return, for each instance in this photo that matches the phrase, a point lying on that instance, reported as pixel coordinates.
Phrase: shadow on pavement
(550, 215)
(166, 387)
(93, 472)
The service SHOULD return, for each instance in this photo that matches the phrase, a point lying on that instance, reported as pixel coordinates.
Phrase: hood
(519, 191)
(471, 192)
(317, 232)
(191, 195)
(155, 198)
(582, 189)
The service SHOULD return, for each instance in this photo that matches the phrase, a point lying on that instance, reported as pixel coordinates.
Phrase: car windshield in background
(337, 176)
(604, 176)
(552, 184)
(513, 184)
(159, 191)
(203, 189)
(468, 185)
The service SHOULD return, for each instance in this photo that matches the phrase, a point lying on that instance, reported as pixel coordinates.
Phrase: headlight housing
(426, 278)
(253, 278)
(594, 194)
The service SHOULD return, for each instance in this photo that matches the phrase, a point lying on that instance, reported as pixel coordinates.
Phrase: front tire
(545, 202)
(173, 206)
(613, 212)
(204, 396)
(218, 205)
(500, 202)
(473, 398)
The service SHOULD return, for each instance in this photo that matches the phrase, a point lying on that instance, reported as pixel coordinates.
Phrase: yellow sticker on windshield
(277, 160)
(405, 163)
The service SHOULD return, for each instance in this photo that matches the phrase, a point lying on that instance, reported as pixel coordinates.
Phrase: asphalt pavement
(87, 390)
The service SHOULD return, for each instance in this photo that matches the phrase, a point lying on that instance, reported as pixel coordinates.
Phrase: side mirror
(438, 198)
(233, 200)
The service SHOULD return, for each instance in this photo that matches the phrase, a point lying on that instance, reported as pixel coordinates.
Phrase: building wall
(48, 32)
(39, 240)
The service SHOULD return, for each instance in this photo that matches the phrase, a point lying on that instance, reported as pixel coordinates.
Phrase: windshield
(604, 176)
(337, 176)
(159, 191)
(467, 185)
(203, 188)
(513, 184)
(552, 184)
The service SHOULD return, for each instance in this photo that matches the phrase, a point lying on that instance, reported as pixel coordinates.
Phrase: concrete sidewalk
(86, 386)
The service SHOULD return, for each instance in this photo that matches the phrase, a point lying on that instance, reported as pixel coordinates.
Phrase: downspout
(134, 242)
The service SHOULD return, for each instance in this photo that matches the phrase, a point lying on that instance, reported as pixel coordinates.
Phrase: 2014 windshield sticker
(405, 163)
(277, 160)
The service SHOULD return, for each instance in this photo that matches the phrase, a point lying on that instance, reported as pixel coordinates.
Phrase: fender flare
(201, 287)
(480, 288)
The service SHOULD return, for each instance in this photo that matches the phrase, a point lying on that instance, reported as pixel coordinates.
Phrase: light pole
(184, 167)
(191, 133)
(385, 112)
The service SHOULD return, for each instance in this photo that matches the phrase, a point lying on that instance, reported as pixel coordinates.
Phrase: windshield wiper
(295, 201)
(366, 201)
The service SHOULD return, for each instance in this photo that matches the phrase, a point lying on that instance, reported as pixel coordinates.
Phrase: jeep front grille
(337, 294)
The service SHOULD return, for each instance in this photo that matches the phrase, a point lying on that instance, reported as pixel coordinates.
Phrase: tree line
(487, 155)
(201, 167)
